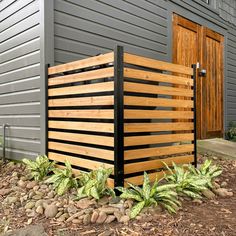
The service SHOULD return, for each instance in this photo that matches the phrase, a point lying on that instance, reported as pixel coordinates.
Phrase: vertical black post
(118, 117)
(194, 77)
(46, 108)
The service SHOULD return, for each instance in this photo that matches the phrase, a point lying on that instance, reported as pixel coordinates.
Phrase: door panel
(194, 43)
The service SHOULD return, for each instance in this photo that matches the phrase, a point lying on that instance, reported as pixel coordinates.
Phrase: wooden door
(194, 43)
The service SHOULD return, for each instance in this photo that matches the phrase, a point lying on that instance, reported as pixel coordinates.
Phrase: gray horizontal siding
(20, 77)
(86, 28)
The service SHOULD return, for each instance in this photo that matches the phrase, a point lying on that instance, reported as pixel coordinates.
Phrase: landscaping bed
(24, 203)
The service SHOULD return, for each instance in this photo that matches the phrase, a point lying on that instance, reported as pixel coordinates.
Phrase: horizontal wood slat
(92, 114)
(82, 138)
(155, 89)
(138, 180)
(155, 64)
(156, 164)
(82, 126)
(83, 101)
(157, 127)
(161, 102)
(82, 89)
(157, 114)
(157, 77)
(155, 139)
(81, 150)
(160, 151)
(82, 76)
(76, 161)
(84, 63)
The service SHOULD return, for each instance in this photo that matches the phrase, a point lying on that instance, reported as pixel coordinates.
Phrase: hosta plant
(207, 171)
(186, 182)
(39, 168)
(94, 184)
(149, 195)
(63, 179)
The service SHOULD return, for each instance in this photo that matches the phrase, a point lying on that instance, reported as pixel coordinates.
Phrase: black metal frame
(118, 117)
(46, 108)
(194, 77)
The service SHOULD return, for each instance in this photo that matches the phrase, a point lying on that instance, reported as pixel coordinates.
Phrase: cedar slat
(161, 102)
(160, 151)
(80, 162)
(157, 114)
(82, 150)
(158, 77)
(156, 127)
(93, 114)
(82, 76)
(83, 101)
(155, 139)
(82, 89)
(82, 126)
(88, 62)
(82, 138)
(155, 64)
(155, 164)
(156, 89)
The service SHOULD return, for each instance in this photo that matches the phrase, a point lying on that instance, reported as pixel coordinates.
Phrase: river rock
(21, 183)
(85, 203)
(39, 210)
(5, 191)
(101, 217)
(94, 216)
(109, 210)
(71, 209)
(124, 219)
(51, 211)
(11, 200)
(110, 219)
(223, 192)
(87, 219)
(118, 215)
(31, 184)
(29, 205)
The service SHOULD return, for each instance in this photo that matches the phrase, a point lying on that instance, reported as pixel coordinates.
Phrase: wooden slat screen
(81, 113)
(157, 113)
(152, 116)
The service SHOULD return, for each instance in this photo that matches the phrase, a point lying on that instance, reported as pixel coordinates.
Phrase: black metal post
(46, 108)
(194, 77)
(118, 117)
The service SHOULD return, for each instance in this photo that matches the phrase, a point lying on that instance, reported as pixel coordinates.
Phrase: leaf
(136, 209)
(63, 186)
(129, 195)
(146, 186)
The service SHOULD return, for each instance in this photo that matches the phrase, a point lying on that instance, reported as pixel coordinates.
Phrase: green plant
(231, 132)
(63, 179)
(149, 195)
(94, 184)
(186, 182)
(207, 171)
(39, 168)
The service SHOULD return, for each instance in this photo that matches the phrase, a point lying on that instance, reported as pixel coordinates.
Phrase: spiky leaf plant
(186, 182)
(94, 184)
(39, 168)
(207, 171)
(149, 195)
(63, 179)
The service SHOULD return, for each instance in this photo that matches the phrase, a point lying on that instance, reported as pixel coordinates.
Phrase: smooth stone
(223, 192)
(31, 184)
(5, 191)
(110, 219)
(51, 211)
(124, 219)
(76, 215)
(87, 219)
(109, 210)
(85, 203)
(12, 200)
(51, 194)
(63, 217)
(30, 205)
(36, 188)
(101, 217)
(198, 201)
(103, 201)
(39, 210)
(59, 214)
(72, 209)
(224, 184)
(118, 215)
(76, 221)
(94, 216)
(21, 183)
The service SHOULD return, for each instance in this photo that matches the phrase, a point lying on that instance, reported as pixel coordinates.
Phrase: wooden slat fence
(121, 111)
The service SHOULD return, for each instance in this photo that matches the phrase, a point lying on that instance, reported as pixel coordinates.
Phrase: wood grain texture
(83, 101)
(157, 102)
(82, 89)
(154, 89)
(155, 139)
(156, 127)
(91, 114)
(155, 64)
(156, 164)
(82, 150)
(82, 126)
(88, 62)
(157, 114)
(82, 76)
(160, 151)
(82, 138)
(157, 77)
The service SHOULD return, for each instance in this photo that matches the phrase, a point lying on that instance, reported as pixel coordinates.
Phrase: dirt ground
(209, 218)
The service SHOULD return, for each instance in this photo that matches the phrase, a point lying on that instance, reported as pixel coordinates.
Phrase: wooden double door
(192, 44)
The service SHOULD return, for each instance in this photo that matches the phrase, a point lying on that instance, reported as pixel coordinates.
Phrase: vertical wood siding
(19, 76)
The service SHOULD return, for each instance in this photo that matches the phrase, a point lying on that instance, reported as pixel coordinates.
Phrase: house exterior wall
(20, 76)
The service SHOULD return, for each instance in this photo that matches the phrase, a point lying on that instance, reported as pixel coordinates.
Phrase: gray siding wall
(85, 28)
(20, 76)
